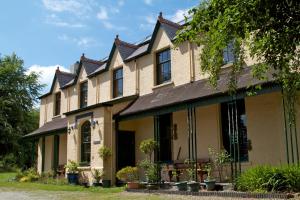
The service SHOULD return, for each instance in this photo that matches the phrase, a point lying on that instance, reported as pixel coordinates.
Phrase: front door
(126, 149)
(165, 142)
(55, 153)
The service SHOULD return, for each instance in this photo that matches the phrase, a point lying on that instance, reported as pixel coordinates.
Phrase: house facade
(153, 90)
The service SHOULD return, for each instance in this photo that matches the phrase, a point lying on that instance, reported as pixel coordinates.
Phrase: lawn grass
(6, 180)
(67, 192)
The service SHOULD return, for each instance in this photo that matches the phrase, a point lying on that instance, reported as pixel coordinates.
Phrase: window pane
(163, 70)
(86, 142)
(83, 94)
(118, 83)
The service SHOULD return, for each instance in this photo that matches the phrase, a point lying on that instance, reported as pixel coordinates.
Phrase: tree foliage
(267, 29)
(18, 95)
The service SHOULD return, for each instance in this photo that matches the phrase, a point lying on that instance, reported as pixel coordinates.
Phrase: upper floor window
(57, 104)
(83, 94)
(163, 67)
(228, 54)
(118, 83)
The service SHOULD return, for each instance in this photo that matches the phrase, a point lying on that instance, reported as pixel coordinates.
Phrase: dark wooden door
(165, 143)
(126, 149)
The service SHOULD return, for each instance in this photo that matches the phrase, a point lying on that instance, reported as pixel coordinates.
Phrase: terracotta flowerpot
(133, 185)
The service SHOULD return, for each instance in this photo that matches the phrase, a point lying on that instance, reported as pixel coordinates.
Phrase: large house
(153, 90)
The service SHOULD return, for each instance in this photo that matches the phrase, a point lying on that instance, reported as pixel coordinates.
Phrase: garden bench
(179, 167)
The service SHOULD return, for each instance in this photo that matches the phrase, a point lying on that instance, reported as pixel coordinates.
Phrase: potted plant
(193, 185)
(210, 182)
(130, 176)
(151, 169)
(219, 159)
(97, 175)
(151, 173)
(72, 172)
(148, 146)
(105, 153)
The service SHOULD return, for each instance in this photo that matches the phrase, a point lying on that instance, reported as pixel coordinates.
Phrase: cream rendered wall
(48, 153)
(42, 112)
(143, 128)
(73, 99)
(105, 87)
(146, 70)
(39, 158)
(62, 149)
(265, 129)
(207, 129)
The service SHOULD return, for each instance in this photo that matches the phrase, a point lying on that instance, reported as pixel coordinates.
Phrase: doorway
(165, 140)
(126, 149)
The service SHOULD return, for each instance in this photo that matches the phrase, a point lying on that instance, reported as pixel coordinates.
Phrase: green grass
(6, 180)
(68, 192)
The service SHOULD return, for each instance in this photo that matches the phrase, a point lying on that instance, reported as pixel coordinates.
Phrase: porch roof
(58, 125)
(198, 92)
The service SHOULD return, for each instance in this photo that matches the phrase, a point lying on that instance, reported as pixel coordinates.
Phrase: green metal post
(285, 130)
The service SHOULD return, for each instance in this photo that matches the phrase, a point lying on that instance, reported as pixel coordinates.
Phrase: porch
(251, 129)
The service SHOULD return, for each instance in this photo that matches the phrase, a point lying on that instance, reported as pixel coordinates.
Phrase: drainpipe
(45, 117)
(97, 90)
(192, 63)
(137, 78)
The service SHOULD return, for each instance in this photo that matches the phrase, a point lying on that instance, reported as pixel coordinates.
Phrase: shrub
(72, 167)
(148, 146)
(128, 174)
(29, 175)
(151, 170)
(97, 174)
(270, 179)
(8, 162)
(104, 152)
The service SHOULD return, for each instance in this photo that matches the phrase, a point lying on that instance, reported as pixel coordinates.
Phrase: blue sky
(48, 33)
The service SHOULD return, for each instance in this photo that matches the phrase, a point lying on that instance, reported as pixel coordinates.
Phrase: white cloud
(56, 21)
(121, 3)
(179, 15)
(73, 6)
(148, 2)
(110, 26)
(46, 73)
(150, 19)
(83, 42)
(102, 14)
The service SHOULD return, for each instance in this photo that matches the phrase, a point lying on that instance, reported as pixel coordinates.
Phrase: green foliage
(18, 94)
(128, 174)
(104, 152)
(148, 146)
(97, 174)
(72, 167)
(270, 179)
(151, 170)
(190, 169)
(218, 160)
(29, 175)
(266, 29)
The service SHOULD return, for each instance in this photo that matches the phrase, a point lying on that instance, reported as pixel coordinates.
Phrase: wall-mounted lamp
(71, 128)
(94, 123)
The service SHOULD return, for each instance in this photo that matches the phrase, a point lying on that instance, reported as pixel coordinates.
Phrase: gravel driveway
(17, 194)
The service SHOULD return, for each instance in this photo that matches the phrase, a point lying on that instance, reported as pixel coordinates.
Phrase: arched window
(86, 142)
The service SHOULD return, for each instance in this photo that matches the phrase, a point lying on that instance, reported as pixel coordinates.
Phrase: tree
(18, 95)
(267, 29)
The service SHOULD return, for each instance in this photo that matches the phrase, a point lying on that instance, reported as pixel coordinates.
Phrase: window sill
(56, 116)
(84, 168)
(163, 85)
(118, 97)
